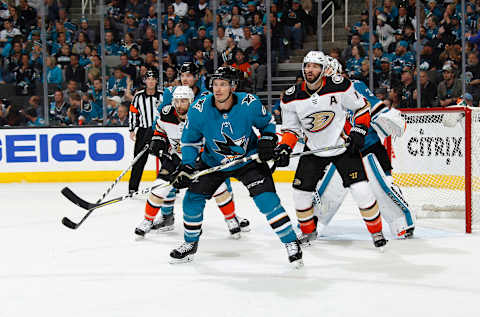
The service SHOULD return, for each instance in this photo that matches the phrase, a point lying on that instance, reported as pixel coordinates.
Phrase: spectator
(80, 44)
(73, 112)
(14, 116)
(428, 90)
(257, 27)
(32, 118)
(347, 52)
(121, 119)
(74, 71)
(450, 88)
(134, 59)
(473, 72)
(402, 20)
(364, 74)
(112, 109)
(196, 43)
(258, 59)
(8, 32)
(117, 84)
(202, 62)
(244, 67)
(293, 19)
(468, 99)
(128, 43)
(137, 7)
(150, 20)
(130, 26)
(221, 39)
(394, 97)
(54, 72)
(251, 11)
(235, 30)
(91, 111)
(354, 64)
(202, 8)
(402, 57)
(147, 43)
(58, 109)
(28, 13)
(180, 8)
(170, 77)
(207, 49)
(18, 22)
(87, 30)
(384, 31)
(150, 60)
(279, 49)
(246, 41)
(170, 16)
(406, 90)
(24, 75)
(389, 10)
(63, 57)
(111, 48)
(381, 93)
(126, 68)
(176, 38)
(72, 87)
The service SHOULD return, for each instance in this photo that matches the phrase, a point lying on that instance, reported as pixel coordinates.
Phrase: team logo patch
(320, 120)
(297, 182)
(166, 109)
(337, 79)
(290, 91)
(199, 105)
(230, 148)
(248, 99)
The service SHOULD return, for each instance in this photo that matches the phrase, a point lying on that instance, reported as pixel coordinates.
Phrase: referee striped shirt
(143, 109)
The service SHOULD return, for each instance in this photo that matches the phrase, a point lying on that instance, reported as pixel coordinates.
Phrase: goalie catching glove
(282, 155)
(266, 146)
(182, 177)
(357, 138)
(159, 143)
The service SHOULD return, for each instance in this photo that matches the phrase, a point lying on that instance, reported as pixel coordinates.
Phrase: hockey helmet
(316, 57)
(334, 67)
(151, 73)
(227, 73)
(183, 92)
(189, 67)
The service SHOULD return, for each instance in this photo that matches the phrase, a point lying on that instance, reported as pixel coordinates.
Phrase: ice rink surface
(49, 270)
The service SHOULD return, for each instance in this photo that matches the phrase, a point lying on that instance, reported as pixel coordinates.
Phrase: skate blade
(381, 249)
(164, 229)
(298, 264)
(236, 236)
(139, 237)
(306, 244)
(246, 229)
(188, 258)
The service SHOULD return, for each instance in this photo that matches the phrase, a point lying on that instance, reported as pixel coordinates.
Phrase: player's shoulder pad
(296, 92)
(168, 114)
(335, 84)
(199, 105)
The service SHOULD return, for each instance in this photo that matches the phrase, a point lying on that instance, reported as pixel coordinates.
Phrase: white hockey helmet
(316, 57)
(183, 92)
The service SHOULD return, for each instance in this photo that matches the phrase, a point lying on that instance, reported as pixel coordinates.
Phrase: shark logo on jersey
(248, 99)
(230, 148)
(86, 106)
(320, 120)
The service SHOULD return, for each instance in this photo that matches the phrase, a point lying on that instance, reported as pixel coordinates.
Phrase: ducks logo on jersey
(320, 120)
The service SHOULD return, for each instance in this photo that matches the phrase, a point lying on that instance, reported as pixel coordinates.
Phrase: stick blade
(70, 195)
(69, 224)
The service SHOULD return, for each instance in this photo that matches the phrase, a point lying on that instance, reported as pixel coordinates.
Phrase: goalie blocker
(330, 194)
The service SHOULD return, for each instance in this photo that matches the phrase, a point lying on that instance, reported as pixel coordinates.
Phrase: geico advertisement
(66, 149)
(430, 149)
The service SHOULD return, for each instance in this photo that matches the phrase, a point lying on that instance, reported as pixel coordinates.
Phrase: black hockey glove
(159, 143)
(266, 146)
(357, 138)
(282, 155)
(182, 176)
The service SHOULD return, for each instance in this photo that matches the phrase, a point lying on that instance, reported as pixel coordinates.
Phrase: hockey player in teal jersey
(229, 135)
(189, 72)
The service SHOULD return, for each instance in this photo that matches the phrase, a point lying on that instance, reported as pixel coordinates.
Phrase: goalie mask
(182, 98)
(334, 67)
(315, 57)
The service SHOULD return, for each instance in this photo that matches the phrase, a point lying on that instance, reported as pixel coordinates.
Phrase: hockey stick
(91, 207)
(70, 195)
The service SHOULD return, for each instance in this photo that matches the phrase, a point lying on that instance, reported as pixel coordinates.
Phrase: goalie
(330, 193)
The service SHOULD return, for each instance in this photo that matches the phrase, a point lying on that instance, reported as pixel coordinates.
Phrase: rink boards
(75, 155)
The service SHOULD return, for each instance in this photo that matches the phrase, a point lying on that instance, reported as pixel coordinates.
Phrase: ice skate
(143, 228)
(244, 224)
(183, 253)
(234, 228)
(379, 241)
(294, 253)
(305, 239)
(164, 223)
(409, 233)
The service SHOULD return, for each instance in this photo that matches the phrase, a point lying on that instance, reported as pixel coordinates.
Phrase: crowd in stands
(394, 52)
(74, 64)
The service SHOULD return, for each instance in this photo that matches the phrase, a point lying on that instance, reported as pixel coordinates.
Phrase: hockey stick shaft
(72, 225)
(139, 155)
(323, 149)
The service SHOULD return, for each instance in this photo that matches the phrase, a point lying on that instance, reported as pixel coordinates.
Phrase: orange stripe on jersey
(289, 139)
(133, 109)
(362, 117)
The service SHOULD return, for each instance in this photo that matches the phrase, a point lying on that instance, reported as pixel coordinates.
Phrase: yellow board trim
(97, 176)
(435, 181)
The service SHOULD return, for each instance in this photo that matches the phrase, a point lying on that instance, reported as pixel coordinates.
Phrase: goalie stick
(91, 207)
(74, 198)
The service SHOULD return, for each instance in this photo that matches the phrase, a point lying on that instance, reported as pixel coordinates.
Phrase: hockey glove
(282, 155)
(357, 138)
(266, 146)
(182, 177)
(159, 143)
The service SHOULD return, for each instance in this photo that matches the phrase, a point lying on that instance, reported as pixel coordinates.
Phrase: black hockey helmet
(189, 67)
(227, 73)
(151, 73)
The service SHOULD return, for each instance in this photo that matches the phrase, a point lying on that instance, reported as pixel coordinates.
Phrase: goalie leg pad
(394, 208)
(224, 200)
(329, 196)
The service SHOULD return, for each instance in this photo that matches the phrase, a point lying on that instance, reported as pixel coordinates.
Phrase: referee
(143, 111)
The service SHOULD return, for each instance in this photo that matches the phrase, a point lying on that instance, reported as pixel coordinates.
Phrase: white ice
(49, 270)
